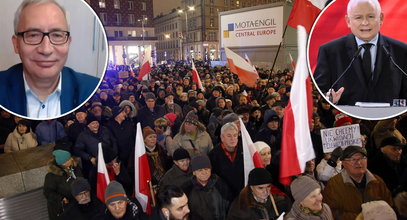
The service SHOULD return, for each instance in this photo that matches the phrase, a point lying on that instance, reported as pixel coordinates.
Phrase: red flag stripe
(304, 13)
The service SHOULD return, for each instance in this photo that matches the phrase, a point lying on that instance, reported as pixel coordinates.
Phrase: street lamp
(180, 11)
(143, 22)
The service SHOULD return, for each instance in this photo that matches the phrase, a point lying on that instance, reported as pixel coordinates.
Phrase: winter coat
(345, 199)
(94, 210)
(16, 142)
(245, 207)
(210, 202)
(231, 172)
(134, 211)
(86, 145)
(147, 117)
(159, 163)
(175, 176)
(125, 135)
(49, 131)
(57, 186)
(297, 214)
(201, 145)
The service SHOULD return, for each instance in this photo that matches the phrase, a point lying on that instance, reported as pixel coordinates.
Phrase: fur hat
(302, 186)
(114, 192)
(148, 131)
(259, 176)
(200, 162)
(133, 112)
(79, 185)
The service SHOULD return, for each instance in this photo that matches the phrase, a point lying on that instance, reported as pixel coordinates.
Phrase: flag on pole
(296, 144)
(246, 72)
(131, 71)
(247, 59)
(292, 61)
(195, 77)
(103, 176)
(146, 64)
(304, 13)
(142, 172)
(251, 157)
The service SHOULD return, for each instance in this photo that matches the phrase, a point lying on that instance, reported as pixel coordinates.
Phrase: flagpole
(275, 58)
(152, 192)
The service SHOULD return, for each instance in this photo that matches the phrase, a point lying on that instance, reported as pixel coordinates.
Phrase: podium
(371, 113)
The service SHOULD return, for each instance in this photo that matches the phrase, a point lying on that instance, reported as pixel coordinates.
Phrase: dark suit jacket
(388, 82)
(76, 88)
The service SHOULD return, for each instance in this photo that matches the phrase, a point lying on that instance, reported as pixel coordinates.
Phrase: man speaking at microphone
(358, 67)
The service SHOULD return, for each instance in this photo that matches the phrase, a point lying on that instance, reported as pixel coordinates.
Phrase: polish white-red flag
(251, 157)
(103, 176)
(292, 61)
(304, 13)
(247, 59)
(296, 144)
(146, 64)
(142, 172)
(246, 72)
(195, 77)
(131, 71)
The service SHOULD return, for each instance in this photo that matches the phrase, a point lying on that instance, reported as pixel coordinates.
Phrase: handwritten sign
(340, 137)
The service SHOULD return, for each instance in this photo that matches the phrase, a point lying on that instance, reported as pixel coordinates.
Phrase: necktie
(367, 61)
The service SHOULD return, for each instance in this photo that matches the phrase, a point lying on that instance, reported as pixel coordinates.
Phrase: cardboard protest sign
(340, 137)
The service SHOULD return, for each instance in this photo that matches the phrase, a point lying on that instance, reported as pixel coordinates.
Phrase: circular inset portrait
(357, 53)
(53, 56)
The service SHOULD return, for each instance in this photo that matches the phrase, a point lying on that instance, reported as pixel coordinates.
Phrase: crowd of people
(195, 154)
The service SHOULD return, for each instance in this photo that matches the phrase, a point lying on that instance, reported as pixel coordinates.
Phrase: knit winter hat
(302, 186)
(341, 119)
(192, 118)
(259, 176)
(260, 145)
(147, 131)
(61, 156)
(200, 162)
(90, 118)
(116, 111)
(171, 117)
(378, 210)
(149, 95)
(180, 154)
(114, 192)
(79, 185)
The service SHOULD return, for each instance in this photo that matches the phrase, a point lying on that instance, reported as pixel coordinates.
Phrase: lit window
(116, 4)
(102, 3)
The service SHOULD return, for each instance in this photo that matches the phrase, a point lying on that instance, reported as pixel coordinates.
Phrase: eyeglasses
(36, 37)
(355, 160)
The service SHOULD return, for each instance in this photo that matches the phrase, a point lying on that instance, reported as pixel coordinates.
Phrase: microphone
(392, 60)
(344, 72)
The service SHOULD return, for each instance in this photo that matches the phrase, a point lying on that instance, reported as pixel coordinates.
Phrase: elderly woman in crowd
(308, 203)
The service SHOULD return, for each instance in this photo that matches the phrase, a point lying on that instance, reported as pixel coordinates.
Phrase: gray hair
(228, 126)
(26, 3)
(375, 3)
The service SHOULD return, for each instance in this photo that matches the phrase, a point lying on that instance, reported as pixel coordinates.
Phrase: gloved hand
(336, 154)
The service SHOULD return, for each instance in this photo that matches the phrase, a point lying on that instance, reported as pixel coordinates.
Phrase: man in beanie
(86, 146)
(193, 136)
(123, 131)
(180, 172)
(157, 158)
(149, 113)
(119, 206)
(77, 125)
(62, 171)
(389, 163)
(208, 196)
(255, 200)
(346, 191)
(306, 192)
(86, 205)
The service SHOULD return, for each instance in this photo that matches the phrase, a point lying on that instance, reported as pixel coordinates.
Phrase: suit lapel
(16, 98)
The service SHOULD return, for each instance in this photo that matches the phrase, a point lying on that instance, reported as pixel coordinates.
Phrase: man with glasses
(40, 86)
(345, 192)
